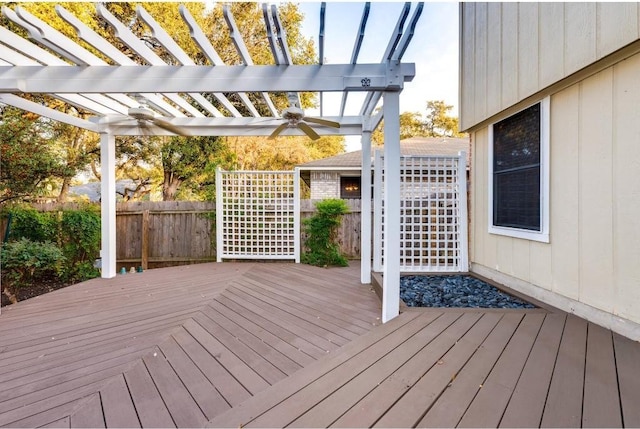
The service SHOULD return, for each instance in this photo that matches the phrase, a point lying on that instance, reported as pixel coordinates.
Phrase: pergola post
(365, 210)
(391, 270)
(108, 204)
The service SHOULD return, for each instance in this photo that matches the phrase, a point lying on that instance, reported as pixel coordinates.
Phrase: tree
(191, 161)
(282, 153)
(411, 125)
(438, 122)
(27, 159)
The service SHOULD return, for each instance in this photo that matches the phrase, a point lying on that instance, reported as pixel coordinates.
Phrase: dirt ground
(42, 287)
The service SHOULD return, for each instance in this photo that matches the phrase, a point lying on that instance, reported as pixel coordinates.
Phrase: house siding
(511, 51)
(591, 261)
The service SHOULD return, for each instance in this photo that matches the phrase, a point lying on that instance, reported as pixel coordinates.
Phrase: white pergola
(192, 97)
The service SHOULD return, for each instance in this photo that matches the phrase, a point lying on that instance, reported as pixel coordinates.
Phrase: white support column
(391, 271)
(365, 210)
(377, 212)
(463, 213)
(108, 204)
(219, 205)
(296, 213)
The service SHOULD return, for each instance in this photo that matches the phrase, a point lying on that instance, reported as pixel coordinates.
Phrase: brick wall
(325, 185)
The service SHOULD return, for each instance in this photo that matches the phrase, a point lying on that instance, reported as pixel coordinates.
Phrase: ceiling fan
(294, 118)
(145, 115)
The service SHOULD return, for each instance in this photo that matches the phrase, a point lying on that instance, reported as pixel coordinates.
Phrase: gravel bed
(455, 291)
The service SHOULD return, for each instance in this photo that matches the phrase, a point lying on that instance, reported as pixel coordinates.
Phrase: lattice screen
(257, 215)
(433, 214)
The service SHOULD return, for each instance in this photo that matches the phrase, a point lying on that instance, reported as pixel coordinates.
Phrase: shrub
(25, 261)
(80, 241)
(322, 230)
(27, 222)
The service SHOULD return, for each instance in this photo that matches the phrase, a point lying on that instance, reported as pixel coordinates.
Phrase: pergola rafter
(198, 98)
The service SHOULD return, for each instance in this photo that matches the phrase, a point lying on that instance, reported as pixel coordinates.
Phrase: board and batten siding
(511, 51)
(593, 256)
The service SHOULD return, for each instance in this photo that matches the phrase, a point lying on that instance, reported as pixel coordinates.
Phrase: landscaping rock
(455, 291)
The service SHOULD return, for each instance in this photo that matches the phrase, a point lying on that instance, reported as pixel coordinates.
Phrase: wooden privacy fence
(154, 234)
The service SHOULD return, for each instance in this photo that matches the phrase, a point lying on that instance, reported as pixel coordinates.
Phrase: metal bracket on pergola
(190, 96)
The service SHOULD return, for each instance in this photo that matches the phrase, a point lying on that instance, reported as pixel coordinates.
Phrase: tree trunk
(170, 187)
(64, 190)
(12, 298)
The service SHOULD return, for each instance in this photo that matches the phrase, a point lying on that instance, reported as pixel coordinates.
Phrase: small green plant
(25, 261)
(322, 230)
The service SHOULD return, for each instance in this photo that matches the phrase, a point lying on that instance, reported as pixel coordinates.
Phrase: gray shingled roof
(411, 146)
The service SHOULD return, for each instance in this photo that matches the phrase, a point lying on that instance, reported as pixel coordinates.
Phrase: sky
(433, 49)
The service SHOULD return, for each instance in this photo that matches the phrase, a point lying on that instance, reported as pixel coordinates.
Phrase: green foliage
(436, 123)
(25, 261)
(76, 232)
(29, 223)
(80, 242)
(321, 230)
(28, 160)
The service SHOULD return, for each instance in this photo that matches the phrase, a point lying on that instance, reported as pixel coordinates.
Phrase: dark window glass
(516, 170)
(349, 187)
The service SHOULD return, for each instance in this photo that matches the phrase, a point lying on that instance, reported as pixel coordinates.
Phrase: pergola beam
(180, 79)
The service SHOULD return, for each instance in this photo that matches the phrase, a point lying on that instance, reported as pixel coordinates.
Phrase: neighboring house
(339, 176)
(550, 93)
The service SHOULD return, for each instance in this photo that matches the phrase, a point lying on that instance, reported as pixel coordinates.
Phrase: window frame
(541, 235)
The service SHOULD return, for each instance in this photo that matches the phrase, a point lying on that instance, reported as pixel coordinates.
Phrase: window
(349, 187)
(519, 174)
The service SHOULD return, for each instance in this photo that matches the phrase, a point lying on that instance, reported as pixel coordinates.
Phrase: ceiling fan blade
(278, 130)
(321, 121)
(308, 130)
(170, 127)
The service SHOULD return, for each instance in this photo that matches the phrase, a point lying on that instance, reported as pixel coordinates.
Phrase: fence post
(145, 240)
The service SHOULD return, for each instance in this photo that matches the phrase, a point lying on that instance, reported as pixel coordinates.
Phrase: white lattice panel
(433, 214)
(257, 215)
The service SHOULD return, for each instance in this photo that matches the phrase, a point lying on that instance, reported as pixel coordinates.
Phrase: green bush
(25, 261)
(77, 233)
(322, 230)
(80, 241)
(27, 222)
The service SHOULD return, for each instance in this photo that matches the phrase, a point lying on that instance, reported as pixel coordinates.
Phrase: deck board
(529, 397)
(564, 401)
(278, 344)
(488, 406)
(420, 382)
(147, 401)
(628, 366)
(90, 414)
(464, 384)
(601, 405)
(117, 404)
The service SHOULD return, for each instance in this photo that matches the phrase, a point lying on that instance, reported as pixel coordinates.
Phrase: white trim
(543, 234)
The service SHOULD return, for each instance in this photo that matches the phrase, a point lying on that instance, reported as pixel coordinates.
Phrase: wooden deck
(274, 345)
